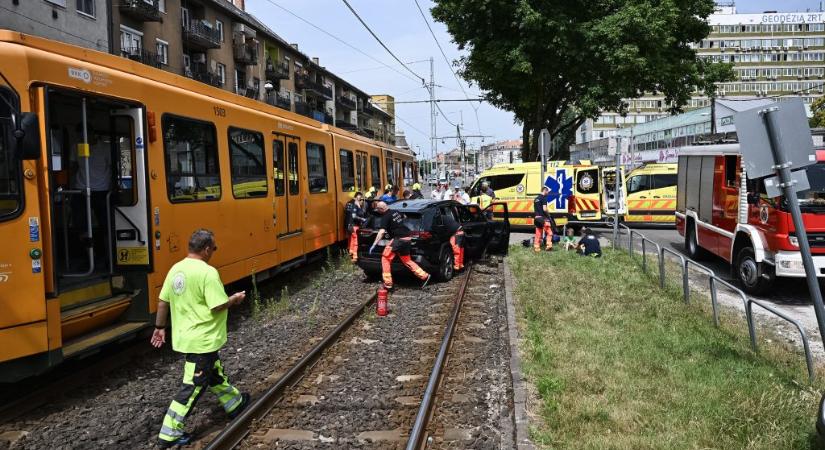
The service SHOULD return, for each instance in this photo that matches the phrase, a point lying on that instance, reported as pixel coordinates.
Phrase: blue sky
(399, 24)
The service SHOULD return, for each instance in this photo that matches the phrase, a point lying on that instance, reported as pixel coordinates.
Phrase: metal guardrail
(713, 283)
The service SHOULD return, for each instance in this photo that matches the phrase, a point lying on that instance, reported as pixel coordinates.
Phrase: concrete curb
(522, 438)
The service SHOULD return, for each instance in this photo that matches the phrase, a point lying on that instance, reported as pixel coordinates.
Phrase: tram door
(288, 213)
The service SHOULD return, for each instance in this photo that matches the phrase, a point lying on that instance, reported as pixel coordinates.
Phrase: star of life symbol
(179, 283)
(561, 187)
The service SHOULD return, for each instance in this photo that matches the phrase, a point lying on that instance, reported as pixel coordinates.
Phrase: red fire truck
(720, 211)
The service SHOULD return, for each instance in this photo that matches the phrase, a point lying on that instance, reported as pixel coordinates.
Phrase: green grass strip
(618, 363)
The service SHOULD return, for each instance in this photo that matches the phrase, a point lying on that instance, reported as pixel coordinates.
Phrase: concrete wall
(59, 20)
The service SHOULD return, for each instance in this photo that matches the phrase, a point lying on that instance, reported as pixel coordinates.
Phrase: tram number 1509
(220, 112)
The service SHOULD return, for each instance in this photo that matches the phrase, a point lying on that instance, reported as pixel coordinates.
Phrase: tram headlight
(792, 265)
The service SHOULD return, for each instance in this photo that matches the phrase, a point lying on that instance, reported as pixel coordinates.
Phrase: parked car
(485, 231)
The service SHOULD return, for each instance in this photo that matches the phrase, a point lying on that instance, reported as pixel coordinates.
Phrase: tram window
(375, 172)
(126, 192)
(390, 176)
(278, 165)
(316, 168)
(361, 172)
(11, 198)
(192, 169)
(246, 159)
(347, 171)
(293, 169)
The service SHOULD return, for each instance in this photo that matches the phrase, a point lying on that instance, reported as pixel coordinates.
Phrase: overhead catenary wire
(447, 61)
(383, 64)
(384, 46)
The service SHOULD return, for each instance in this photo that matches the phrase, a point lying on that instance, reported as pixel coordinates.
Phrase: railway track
(380, 375)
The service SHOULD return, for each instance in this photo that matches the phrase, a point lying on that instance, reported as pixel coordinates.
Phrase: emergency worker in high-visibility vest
(543, 221)
(194, 293)
(355, 215)
(392, 224)
(483, 200)
(456, 241)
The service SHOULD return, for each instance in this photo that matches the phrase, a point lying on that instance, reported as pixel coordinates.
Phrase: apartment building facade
(773, 53)
(501, 152)
(215, 42)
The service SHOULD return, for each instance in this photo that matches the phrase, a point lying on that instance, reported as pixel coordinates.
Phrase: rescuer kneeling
(392, 224)
(194, 292)
(542, 221)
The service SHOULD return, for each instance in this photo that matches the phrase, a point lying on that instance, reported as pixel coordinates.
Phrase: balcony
(303, 81)
(368, 109)
(253, 93)
(141, 10)
(142, 56)
(277, 71)
(280, 100)
(246, 54)
(200, 73)
(346, 102)
(303, 108)
(345, 125)
(200, 35)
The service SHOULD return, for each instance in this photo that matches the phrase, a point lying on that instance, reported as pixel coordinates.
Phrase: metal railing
(714, 282)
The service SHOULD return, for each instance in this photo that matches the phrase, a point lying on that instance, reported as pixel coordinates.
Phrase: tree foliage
(818, 111)
(555, 63)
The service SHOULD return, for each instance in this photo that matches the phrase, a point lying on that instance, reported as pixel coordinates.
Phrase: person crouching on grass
(194, 293)
(569, 240)
(589, 244)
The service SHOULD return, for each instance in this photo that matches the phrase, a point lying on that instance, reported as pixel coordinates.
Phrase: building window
(375, 172)
(292, 151)
(219, 26)
(347, 171)
(246, 157)
(163, 52)
(86, 7)
(222, 73)
(131, 41)
(191, 153)
(316, 168)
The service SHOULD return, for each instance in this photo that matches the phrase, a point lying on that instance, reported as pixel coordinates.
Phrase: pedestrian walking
(194, 293)
(355, 215)
(391, 224)
(543, 221)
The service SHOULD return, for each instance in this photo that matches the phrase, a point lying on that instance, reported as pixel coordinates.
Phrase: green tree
(555, 63)
(818, 111)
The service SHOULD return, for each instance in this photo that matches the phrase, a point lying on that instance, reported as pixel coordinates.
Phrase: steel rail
(238, 429)
(422, 418)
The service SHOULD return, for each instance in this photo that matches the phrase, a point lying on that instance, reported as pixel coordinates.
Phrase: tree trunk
(525, 141)
(534, 147)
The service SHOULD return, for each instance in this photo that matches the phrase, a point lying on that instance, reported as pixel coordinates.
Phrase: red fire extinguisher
(381, 305)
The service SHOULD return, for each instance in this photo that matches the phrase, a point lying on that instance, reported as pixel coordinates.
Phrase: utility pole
(433, 134)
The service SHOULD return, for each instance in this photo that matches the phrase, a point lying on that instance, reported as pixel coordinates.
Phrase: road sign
(793, 135)
(544, 141)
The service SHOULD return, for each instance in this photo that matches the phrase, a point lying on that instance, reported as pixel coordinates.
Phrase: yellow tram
(269, 182)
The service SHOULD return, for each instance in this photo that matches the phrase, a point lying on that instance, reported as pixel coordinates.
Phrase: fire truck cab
(720, 211)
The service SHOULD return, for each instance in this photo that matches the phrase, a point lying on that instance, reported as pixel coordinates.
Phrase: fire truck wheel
(695, 252)
(751, 273)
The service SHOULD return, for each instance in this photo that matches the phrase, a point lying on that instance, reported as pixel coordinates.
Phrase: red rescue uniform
(543, 223)
(392, 222)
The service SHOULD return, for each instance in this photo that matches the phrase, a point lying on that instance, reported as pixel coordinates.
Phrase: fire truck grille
(816, 240)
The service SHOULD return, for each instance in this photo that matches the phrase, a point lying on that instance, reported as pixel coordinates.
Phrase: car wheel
(751, 273)
(692, 243)
(445, 265)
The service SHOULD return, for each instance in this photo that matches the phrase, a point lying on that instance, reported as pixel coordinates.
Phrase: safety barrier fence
(688, 266)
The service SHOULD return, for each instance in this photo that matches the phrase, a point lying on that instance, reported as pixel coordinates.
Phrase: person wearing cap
(416, 192)
(460, 195)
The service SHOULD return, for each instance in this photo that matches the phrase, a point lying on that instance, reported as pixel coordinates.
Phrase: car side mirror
(25, 139)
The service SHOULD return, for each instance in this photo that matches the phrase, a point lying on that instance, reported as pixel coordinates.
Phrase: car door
(475, 228)
(497, 219)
